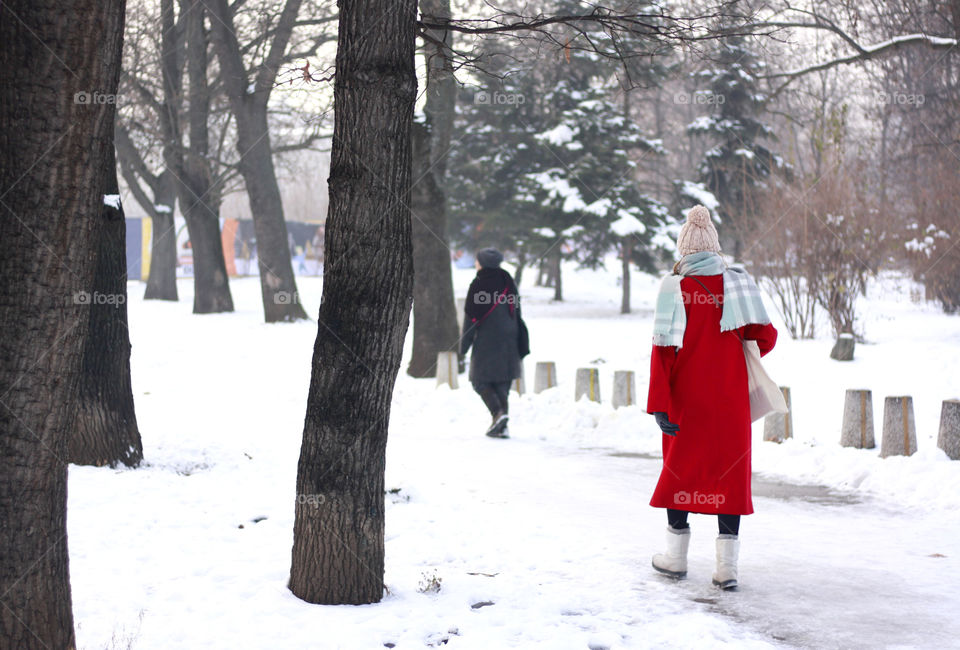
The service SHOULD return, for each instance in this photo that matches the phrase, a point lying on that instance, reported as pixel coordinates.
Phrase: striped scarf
(742, 304)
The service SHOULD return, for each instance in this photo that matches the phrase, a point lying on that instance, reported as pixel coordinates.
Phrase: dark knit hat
(489, 258)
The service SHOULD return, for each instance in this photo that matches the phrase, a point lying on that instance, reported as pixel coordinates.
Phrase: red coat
(703, 389)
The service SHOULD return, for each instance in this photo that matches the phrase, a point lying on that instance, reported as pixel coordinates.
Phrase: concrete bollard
(588, 384)
(777, 427)
(949, 437)
(843, 348)
(447, 369)
(857, 428)
(899, 430)
(545, 376)
(624, 388)
(520, 383)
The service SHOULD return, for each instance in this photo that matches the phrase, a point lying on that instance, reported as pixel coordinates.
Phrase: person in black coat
(491, 325)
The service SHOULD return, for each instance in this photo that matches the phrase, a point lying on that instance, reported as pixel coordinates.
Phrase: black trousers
(494, 395)
(728, 524)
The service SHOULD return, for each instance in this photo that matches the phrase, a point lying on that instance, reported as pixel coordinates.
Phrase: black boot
(498, 428)
(498, 411)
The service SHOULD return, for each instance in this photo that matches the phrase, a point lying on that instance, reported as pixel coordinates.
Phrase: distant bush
(932, 239)
(816, 245)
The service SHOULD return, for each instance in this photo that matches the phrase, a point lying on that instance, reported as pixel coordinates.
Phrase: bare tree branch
(861, 54)
(268, 70)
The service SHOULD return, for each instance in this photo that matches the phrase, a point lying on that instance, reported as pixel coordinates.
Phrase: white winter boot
(728, 549)
(674, 562)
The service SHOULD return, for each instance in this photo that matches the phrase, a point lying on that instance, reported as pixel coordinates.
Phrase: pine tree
(544, 166)
(738, 166)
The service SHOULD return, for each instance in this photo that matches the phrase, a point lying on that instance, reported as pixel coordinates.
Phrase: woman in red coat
(698, 394)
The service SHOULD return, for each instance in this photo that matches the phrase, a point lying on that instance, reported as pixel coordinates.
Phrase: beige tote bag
(765, 396)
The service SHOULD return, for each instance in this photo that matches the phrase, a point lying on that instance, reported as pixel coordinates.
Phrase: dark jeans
(494, 395)
(728, 524)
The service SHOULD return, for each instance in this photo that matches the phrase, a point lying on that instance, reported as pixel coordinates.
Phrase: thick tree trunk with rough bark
(278, 285)
(105, 431)
(52, 153)
(434, 308)
(338, 546)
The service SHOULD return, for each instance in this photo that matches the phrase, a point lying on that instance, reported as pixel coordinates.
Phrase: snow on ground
(846, 550)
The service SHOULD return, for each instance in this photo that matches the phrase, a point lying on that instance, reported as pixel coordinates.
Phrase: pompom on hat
(698, 234)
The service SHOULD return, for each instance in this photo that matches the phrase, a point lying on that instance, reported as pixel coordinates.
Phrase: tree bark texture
(277, 282)
(105, 431)
(338, 547)
(53, 146)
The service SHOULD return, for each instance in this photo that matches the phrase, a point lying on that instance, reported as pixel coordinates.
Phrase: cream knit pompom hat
(698, 234)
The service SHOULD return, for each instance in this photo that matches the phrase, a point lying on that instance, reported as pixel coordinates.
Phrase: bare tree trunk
(545, 272)
(521, 266)
(434, 309)
(105, 432)
(338, 545)
(198, 196)
(52, 153)
(278, 285)
(627, 252)
(212, 293)
(162, 279)
(557, 278)
(199, 199)
(955, 13)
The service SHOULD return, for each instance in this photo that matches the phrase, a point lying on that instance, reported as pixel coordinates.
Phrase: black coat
(491, 330)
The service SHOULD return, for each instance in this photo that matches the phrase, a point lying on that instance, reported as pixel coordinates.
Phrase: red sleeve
(661, 366)
(764, 335)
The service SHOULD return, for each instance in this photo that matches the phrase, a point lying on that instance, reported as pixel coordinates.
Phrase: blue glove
(665, 424)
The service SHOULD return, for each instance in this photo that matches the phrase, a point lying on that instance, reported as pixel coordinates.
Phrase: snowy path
(552, 527)
(811, 572)
(565, 538)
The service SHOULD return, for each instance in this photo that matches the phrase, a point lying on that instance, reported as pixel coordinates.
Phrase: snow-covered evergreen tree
(545, 164)
(738, 166)
(584, 181)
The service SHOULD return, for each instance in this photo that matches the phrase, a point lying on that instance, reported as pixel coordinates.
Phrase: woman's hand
(665, 424)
